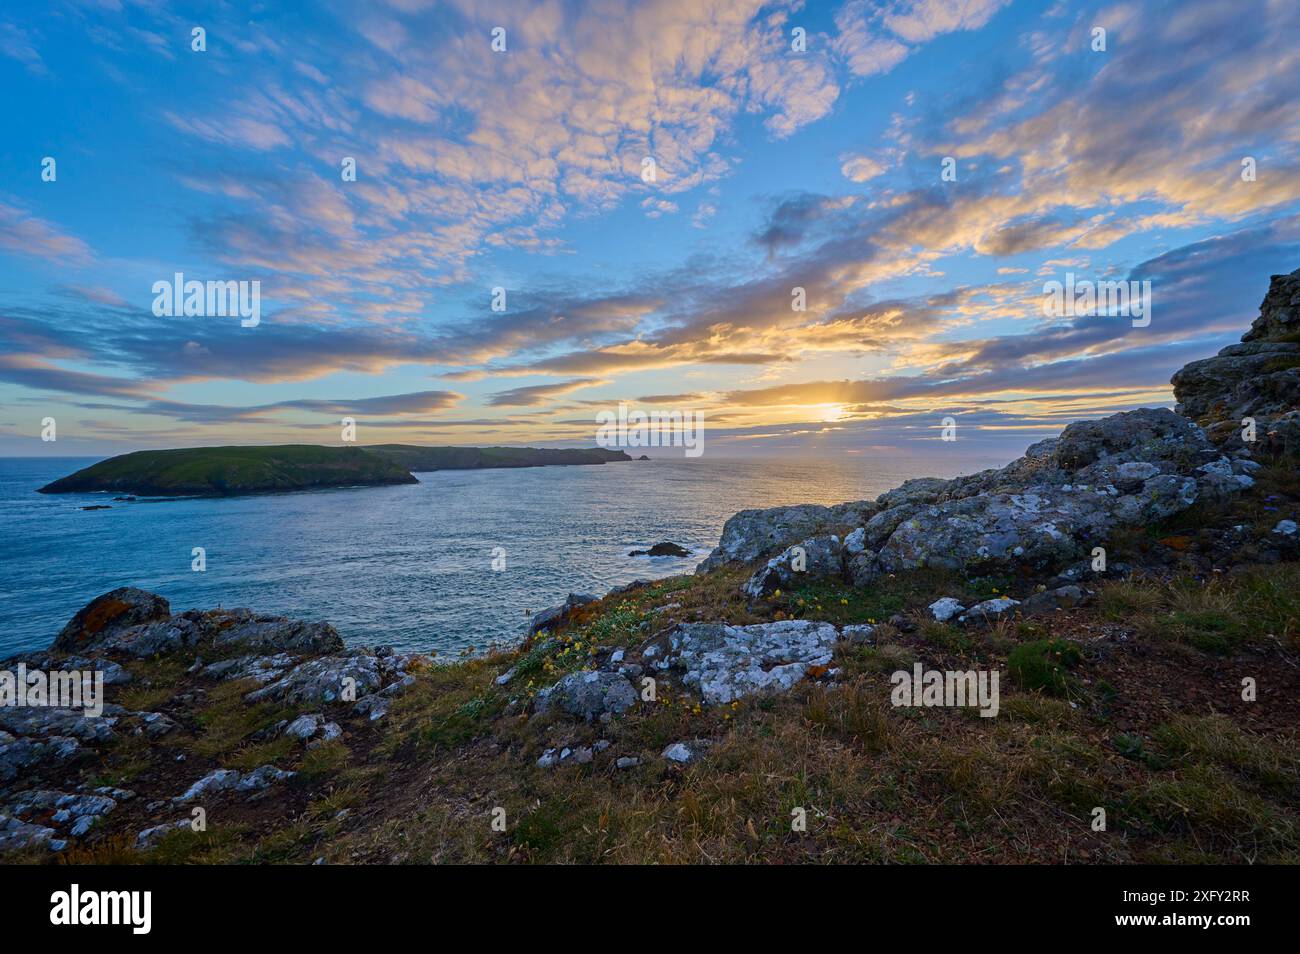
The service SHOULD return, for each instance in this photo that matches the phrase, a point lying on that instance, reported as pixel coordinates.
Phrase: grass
(1121, 727)
(226, 721)
(1044, 666)
(223, 470)
(1260, 606)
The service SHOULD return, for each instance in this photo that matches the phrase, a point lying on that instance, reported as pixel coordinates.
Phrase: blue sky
(522, 169)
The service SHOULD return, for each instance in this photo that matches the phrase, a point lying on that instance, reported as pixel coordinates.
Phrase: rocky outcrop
(752, 534)
(727, 663)
(1258, 378)
(134, 623)
(1043, 511)
(589, 695)
(107, 615)
(554, 616)
(662, 549)
(289, 662)
(813, 558)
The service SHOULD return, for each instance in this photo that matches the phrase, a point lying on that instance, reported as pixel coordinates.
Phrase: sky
(794, 146)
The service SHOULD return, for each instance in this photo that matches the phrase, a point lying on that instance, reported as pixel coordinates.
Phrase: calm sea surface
(408, 566)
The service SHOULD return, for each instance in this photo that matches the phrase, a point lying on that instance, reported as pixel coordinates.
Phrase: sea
(455, 561)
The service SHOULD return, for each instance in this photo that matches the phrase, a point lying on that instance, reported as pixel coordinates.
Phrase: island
(238, 470)
(416, 458)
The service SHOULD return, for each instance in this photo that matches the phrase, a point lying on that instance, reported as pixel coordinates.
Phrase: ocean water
(407, 566)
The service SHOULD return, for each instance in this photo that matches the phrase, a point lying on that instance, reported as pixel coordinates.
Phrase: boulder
(324, 680)
(274, 633)
(589, 695)
(989, 610)
(108, 614)
(813, 559)
(1258, 378)
(754, 534)
(663, 549)
(946, 608)
(556, 615)
(730, 662)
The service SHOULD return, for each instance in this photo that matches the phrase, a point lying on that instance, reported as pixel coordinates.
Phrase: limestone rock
(752, 534)
(1258, 378)
(108, 614)
(815, 558)
(946, 608)
(556, 615)
(589, 694)
(730, 662)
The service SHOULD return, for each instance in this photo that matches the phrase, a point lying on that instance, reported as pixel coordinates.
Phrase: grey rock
(1048, 601)
(1259, 378)
(113, 674)
(1286, 528)
(626, 762)
(815, 558)
(374, 707)
(730, 662)
(156, 724)
(261, 778)
(45, 721)
(150, 836)
(680, 752)
(859, 634)
(990, 610)
(108, 614)
(589, 694)
(261, 668)
(752, 534)
(276, 634)
(218, 780)
(16, 834)
(946, 608)
(557, 615)
(323, 680)
(305, 726)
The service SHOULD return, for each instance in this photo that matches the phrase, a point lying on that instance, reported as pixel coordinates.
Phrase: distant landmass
(228, 471)
(417, 458)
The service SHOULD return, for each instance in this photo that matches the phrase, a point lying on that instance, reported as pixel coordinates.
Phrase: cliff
(1125, 599)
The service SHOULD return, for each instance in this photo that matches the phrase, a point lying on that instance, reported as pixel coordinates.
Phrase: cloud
(22, 233)
(860, 168)
(538, 394)
(17, 44)
(873, 39)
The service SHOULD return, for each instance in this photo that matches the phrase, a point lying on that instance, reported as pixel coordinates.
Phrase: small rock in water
(665, 548)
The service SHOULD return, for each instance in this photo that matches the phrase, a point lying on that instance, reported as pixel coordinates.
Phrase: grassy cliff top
(222, 471)
(414, 457)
